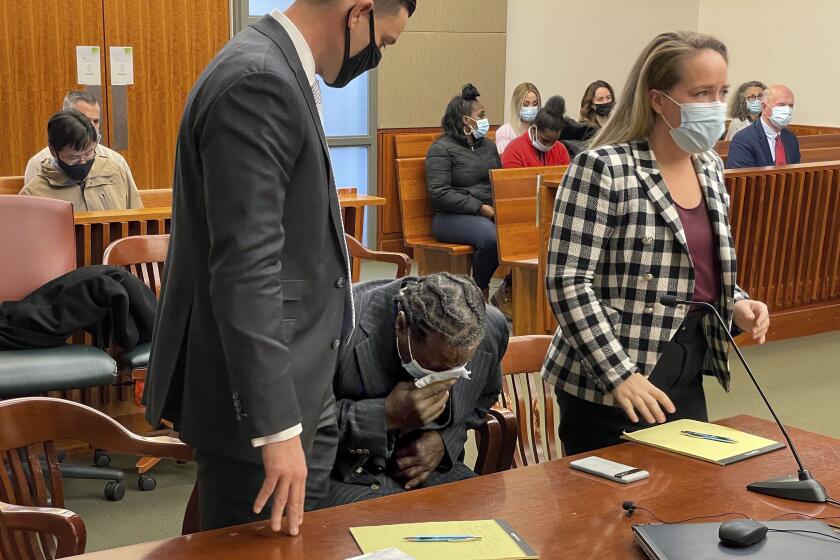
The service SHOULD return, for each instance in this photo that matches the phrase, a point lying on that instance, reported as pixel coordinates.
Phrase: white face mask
(701, 125)
(781, 116)
(417, 371)
(535, 142)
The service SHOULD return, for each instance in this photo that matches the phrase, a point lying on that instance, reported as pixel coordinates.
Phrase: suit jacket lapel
(709, 176)
(657, 190)
(272, 29)
(762, 141)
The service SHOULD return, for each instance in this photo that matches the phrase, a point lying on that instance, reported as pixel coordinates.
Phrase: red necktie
(780, 151)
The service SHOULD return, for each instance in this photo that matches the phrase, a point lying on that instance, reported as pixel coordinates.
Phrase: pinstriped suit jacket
(369, 368)
(617, 245)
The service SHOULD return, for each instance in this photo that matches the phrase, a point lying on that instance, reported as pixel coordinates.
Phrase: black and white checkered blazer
(617, 245)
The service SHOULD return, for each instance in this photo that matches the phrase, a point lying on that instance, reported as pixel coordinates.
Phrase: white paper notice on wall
(88, 67)
(122, 66)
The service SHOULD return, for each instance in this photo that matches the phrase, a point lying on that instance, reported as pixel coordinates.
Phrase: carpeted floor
(801, 377)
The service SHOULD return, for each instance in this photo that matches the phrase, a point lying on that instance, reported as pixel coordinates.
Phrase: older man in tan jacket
(76, 173)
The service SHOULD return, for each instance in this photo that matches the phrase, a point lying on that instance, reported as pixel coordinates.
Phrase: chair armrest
(510, 433)
(357, 250)
(489, 440)
(56, 419)
(67, 527)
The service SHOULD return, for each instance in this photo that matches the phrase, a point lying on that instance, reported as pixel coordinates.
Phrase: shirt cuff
(286, 434)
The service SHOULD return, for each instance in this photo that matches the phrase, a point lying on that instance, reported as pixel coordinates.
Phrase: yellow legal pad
(668, 436)
(498, 540)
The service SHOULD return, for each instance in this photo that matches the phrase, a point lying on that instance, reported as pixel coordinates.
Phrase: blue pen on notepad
(442, 538)
(710, 437)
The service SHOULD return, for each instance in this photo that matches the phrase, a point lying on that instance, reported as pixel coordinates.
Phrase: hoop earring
(467, 130)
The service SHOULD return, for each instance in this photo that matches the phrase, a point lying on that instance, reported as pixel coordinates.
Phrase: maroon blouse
(704, 251)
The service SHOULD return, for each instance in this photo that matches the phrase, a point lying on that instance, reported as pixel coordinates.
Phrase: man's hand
(752, 316)
(637, 393)
(487, 211)
(408, 407)
(285, 479)
(418, 459)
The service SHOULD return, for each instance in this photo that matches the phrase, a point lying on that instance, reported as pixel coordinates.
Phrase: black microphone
(802, 486)
(629, 507)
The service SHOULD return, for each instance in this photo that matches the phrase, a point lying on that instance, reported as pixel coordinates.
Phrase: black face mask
(603, 109)
(76, 172)
(354, 66)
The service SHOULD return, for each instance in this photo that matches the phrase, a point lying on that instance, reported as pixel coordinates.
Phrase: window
(349, 115)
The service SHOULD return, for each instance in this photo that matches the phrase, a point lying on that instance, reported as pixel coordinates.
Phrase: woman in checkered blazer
(642, 214)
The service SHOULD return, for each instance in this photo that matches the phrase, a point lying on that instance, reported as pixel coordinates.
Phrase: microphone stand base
(791, 488)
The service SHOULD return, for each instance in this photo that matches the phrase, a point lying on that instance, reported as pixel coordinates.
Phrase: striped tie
(319, 101)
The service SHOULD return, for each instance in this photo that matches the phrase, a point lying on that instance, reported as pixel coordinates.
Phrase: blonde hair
(516, 99)
(658, 67)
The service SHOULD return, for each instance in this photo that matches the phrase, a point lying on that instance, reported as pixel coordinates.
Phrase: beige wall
(805, 39)
(446, 44)
(563, 46)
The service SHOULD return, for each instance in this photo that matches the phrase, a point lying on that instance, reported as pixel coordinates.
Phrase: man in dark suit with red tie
(767, 142)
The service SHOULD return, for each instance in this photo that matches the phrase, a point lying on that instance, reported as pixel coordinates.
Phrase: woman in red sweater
(539, 145)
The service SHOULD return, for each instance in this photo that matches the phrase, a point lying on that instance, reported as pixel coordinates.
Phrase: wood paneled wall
(446, 44)
(38, 41)
(173, 40)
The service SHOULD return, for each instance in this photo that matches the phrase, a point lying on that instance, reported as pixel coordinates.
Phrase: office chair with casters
(37, 245)
(32, 523)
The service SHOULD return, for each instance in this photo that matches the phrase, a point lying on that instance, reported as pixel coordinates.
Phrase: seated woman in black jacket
(458, 168)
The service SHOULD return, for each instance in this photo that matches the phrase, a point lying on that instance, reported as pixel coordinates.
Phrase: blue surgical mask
(701, 125)
(754, 107)
(528, 114)
(781, 116)
(481, 128)
(417, 371)
(535, 141)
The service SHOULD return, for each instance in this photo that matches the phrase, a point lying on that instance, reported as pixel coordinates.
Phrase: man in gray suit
(257, 300)
(394, 436)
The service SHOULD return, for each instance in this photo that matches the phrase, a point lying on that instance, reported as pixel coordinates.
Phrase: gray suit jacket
(369, 368)
(252, 312)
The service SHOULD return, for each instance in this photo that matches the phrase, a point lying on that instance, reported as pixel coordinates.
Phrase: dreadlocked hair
(447, 304)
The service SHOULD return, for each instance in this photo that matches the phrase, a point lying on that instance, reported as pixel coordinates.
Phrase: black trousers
(587, 426)
(475, 230)
(227, 487)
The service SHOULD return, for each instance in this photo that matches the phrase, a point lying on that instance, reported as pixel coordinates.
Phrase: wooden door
(172, 42)
(38, 40)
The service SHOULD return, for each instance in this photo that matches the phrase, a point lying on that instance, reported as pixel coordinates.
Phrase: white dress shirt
(772, 134)
(308, 63)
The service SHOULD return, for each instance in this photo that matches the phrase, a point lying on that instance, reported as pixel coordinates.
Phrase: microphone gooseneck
(672, 301)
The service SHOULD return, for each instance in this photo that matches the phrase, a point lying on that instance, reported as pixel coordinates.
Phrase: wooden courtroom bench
(416, 215)
(515, 202)
(785, 222)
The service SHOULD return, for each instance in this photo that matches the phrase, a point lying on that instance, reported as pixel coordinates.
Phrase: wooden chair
(416, 214)
(531, 399)
(34, 526)
(359, 251)
(143, 256)
(515, 202)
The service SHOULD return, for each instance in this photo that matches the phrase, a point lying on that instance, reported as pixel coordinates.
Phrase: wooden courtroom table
(560, 512)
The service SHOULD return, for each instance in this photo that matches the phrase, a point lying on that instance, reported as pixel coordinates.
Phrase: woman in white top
(745, 107)
(524, 106)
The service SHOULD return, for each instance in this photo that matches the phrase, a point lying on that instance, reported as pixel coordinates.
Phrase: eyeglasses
(753, 98)
(83, 158)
